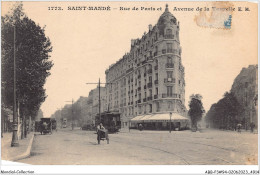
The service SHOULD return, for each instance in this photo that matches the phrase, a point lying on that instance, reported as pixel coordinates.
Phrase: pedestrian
(239, 127)
(252, 126)
(141, 127)
(100, 132)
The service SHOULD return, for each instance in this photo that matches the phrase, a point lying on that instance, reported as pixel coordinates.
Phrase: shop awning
(159, 118)
(166, 117)
(137, 118)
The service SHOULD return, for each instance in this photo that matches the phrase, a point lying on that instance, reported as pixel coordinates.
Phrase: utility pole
(14, 142)
(170, 122)
(99, 98)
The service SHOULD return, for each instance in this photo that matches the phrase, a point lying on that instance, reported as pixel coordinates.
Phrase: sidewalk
(16, 153)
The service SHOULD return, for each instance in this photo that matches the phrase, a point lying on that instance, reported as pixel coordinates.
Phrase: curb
(27, 153)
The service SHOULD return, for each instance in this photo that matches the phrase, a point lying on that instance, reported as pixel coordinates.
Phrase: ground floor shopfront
(162, 121)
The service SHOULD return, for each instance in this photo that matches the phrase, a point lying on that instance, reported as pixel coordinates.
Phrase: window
(169, 74)
(169, 90)
(169, 47)
(150, 79)
(150, 92)
(157, 106)
(151, 108)
(168, 32)
(169, 104)
(156, 90)
(169, 60)
(156, 76)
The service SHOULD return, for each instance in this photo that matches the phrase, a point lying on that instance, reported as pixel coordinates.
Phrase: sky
(85, 43)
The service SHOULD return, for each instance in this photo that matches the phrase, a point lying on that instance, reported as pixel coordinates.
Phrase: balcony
(169, 80)
(144, 100)
(155, 96)
(144, 62)
(129, 70)
(139, 101)
(149, 98)
(169, 95)
(150, 71)
(170, 51)
(144, 86)
(150, 85)
(156, 67)
(155, 81)
(169, 65)
(139, 88)
(169, 36)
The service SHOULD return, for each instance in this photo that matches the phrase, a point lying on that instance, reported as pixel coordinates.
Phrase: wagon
(102, 134)
(46, 126)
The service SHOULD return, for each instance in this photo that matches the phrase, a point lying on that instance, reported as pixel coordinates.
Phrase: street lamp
(170, 122)
(14, 142)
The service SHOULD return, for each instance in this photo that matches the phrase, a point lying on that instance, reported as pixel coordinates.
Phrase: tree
(224, 114)
(196, 109)
(33, 63)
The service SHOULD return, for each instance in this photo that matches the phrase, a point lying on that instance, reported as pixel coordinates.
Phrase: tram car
(110, 120)
(46, 126)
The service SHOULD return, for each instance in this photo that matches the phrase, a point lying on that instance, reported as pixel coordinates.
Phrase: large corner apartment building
(150, 78)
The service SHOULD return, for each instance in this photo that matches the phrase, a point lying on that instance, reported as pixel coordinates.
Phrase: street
(209, 147)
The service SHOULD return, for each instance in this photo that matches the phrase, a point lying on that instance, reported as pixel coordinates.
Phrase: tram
(110, 120)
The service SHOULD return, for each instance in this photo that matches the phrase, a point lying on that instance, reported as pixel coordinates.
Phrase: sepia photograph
(129, 83)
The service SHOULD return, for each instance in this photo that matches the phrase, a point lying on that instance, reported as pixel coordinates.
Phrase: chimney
(150, 27)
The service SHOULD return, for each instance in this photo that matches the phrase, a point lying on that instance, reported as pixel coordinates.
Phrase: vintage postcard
(129, 83)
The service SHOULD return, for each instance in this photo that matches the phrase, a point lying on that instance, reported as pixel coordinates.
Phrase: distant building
(150, 78)
(91, 109)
